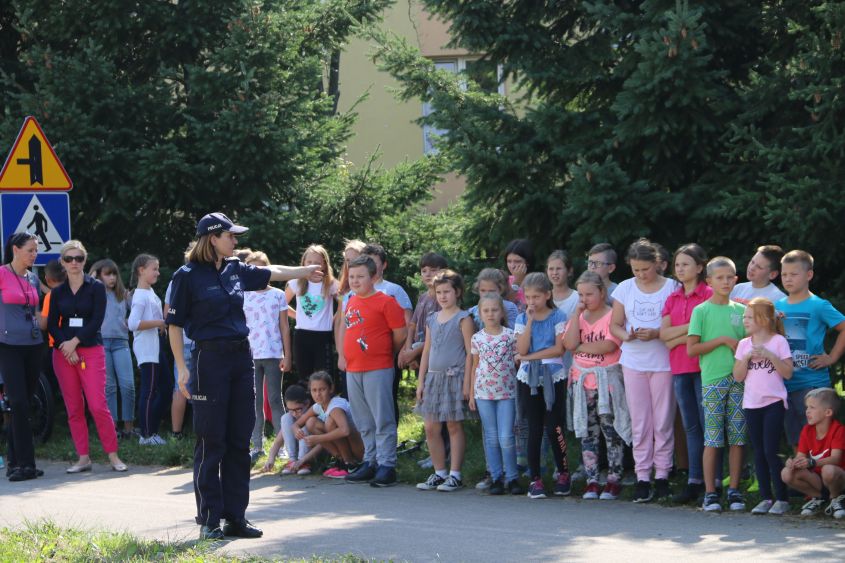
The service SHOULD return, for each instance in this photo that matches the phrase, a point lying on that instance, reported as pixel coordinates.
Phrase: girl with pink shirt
(637, 306)
(690, 262)
(596, 395)
(763, 361)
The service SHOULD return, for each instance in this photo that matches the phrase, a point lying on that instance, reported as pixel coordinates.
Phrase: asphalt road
(316, 516)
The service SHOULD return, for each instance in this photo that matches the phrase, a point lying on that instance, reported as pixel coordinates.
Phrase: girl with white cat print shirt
(637, 307)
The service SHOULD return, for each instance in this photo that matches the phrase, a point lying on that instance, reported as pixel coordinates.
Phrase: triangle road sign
(32, 164)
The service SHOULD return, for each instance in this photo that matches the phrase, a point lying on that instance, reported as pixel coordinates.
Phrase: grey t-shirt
(15, 328)
(114, 323)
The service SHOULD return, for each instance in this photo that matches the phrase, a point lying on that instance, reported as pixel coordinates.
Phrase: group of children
(535, 359)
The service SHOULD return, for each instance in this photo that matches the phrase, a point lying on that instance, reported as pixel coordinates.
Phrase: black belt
(223, 345)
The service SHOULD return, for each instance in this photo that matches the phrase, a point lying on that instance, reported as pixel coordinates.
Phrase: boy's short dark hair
(606, 248)
(375, 249)
(773, 253)
(521, 247)
(365, 261)
(798, 257)
(433, 260)
(296, 394)
(826, 396)
(53, 271)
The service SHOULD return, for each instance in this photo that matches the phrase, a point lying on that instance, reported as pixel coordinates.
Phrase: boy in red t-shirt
(373, 331)
(818, 469)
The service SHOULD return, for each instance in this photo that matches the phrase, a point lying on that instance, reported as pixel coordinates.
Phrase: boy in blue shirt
(807, 318)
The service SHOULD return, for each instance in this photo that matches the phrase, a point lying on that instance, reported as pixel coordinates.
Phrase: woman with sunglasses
(77, 309)
(20, 349)
(207, 303)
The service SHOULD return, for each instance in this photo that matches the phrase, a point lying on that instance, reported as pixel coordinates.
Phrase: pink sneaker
(335, 473)
(288, 468)
(304, 469)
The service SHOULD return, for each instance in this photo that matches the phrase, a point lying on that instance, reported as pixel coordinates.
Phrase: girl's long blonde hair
(353, 244)
(328, 273)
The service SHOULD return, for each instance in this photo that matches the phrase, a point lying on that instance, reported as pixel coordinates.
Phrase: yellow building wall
(386, 126)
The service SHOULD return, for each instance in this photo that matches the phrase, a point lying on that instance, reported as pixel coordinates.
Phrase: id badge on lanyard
(75, 322)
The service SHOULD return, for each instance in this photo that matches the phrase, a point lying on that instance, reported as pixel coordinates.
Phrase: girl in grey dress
(443, 387)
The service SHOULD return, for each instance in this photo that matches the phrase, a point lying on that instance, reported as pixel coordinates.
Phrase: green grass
(48, 542)
(60, 448)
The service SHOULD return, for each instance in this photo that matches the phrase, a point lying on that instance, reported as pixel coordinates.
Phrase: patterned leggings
(590, 445)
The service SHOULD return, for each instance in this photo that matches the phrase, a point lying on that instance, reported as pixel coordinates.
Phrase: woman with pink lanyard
(77, 309)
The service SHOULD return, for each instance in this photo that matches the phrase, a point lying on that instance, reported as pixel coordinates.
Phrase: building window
(488, 76)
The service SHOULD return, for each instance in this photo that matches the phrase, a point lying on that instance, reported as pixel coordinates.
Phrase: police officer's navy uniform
(208, 304)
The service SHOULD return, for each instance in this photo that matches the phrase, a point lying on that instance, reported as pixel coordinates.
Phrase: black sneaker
(642, 492)
(712, 502)
(690, 494)
(661, 488)
(364, 474)
(211, 533)
(23, 474)
(515, 488)
(385, 477)
(451, 484)
(563, 485)
(241, 529)
(497, 487)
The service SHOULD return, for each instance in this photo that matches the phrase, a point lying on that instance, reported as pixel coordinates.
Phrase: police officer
(207, 303)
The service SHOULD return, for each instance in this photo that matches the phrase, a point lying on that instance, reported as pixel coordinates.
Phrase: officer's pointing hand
(312, 269)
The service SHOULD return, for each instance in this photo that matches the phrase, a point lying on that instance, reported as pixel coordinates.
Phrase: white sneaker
(763, 507)
(158, 440)
(144, 441)
(779, 508)
(485, 483)
(812, 507)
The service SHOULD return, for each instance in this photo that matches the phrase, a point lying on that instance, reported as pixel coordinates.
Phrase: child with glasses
(601, 259)
(297, 402)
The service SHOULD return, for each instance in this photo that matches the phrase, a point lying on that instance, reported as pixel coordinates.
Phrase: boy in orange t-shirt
(818, 469)
(373, 331)
(54, 276)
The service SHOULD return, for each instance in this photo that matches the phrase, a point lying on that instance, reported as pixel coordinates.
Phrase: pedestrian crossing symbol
(32, 163)
(45, 215)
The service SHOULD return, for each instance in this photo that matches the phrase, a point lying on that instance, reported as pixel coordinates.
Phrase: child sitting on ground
(297, 402)
(818, 469)
(329, 424)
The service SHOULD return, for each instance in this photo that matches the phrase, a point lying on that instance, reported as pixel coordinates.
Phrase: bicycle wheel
(43, 410)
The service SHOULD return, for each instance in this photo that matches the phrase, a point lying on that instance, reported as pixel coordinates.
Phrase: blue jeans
(119, 373)
(688, 395)
(497, 420)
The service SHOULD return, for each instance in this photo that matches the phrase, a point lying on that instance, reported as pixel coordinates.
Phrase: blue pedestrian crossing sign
(45, 215)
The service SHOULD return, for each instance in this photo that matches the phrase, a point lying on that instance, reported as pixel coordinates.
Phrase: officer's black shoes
(241, 529)
(385, 477)
(364, 474)
(211, 534)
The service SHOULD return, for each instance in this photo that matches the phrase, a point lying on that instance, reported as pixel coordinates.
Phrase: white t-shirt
(146, 306)
(335, 403)
(313, 310)
(262, 309)
(569, 304)
(745, 292)
(643, 310)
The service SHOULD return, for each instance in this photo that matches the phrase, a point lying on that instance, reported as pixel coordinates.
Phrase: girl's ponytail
(139, 262)
(766, 315)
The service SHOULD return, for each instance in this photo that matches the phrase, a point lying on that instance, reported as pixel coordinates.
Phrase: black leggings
(554, 422)
(312, 351)
(20, 366)
(765, 429)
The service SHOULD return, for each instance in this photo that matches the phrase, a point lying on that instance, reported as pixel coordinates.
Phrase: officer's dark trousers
(223, 398)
